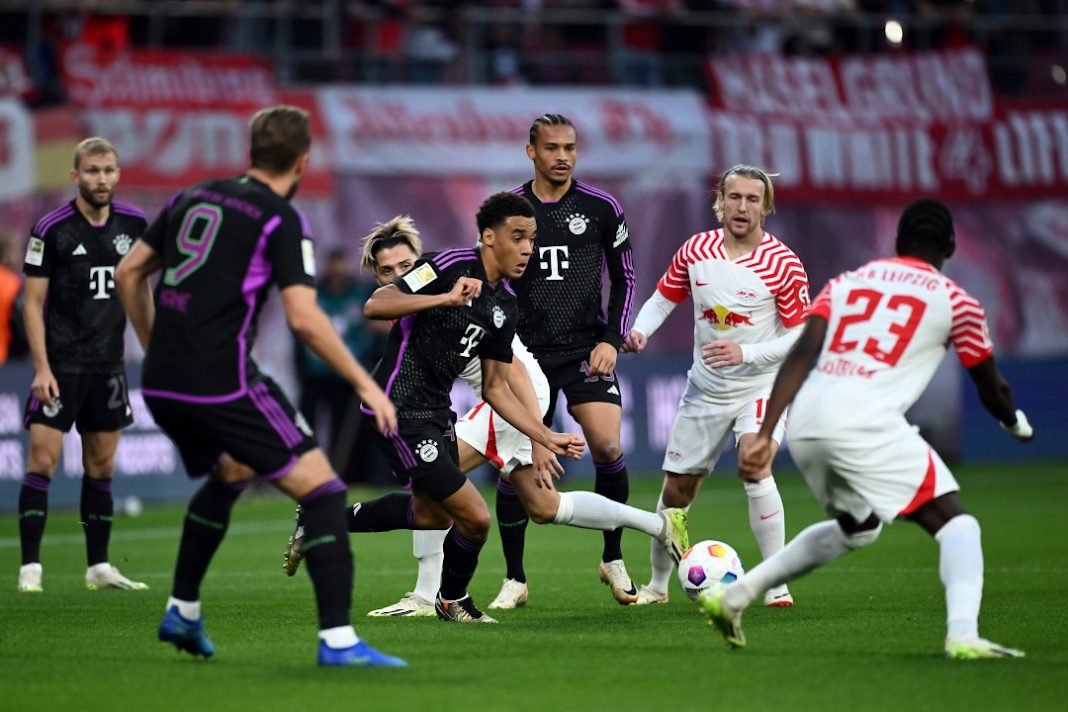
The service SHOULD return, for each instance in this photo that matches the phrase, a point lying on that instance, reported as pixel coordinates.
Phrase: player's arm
(724, 352)
(546, 466)
(619, 262)
(650, 317)
(313, 327)
(996, 396)
(135, 291)
(44, 386)
(496, 392)
(788, 382)
(390, 302)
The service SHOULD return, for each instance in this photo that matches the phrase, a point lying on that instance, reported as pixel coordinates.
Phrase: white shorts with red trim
(890, 471)
(704, 423)
(493, 436)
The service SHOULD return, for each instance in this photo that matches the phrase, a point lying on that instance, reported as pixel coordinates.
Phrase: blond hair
(400, 230)
(746, 172)
(94, 146)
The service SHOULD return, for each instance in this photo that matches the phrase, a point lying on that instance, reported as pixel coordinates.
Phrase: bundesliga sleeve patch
(307, 249)
(420, 277)
(35, 252)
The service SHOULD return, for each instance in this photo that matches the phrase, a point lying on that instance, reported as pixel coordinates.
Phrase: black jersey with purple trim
(84, 319)
(428, 350)
(223, 245)
(579, 237)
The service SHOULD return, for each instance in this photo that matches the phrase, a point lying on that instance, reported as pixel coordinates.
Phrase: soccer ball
(707, 564)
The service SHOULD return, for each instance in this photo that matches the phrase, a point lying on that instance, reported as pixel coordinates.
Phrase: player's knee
(99, 466)
(475, 528)
(42, 462)
(863, 538)
(605, 451)
(541, 511)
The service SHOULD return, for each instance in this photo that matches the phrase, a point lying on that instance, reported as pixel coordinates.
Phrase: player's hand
(546, 467)
(44, 387)
(755, 455)
(465, 289)
(385, 413)
(635, 342)
(603, 359)
(721, 353)
(569, 445)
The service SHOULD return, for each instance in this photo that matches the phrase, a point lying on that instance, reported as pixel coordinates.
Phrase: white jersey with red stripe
(749, 300)
(889, 325)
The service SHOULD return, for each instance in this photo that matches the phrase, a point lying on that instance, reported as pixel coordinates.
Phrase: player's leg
(45, 445)
(767, 517)
(312, 482)
(97, 510)
(677, 493)
(601, 422)
(464, 542)
(589, 510)
(960, 567)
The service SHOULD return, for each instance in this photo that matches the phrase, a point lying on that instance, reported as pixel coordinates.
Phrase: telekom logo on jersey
(557, 260)
(101, 280)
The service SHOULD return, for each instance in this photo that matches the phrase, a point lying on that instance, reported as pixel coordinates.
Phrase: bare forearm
(137, 300)
(35, 336)
(318, 334)
(391, 303)
(509, 407)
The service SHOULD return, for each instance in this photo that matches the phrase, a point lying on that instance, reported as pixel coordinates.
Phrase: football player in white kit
(750, 294)
(872, 342)
(482, 436)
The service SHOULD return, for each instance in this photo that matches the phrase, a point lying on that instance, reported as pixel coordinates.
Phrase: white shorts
(703, 425)
(890, 471)
(493, 436)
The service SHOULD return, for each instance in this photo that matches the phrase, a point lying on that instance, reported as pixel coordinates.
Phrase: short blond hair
(400, 230)
(93, 146)
(745, 171)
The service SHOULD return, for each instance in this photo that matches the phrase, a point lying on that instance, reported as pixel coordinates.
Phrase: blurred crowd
(622, 42)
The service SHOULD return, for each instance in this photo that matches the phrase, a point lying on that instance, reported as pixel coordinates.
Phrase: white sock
(661, 562)
(767, 519)
(427, 547)
(817, 545)
(99, 568)
(590, 510)
(344, 636)
(190, 610)
(960, 566)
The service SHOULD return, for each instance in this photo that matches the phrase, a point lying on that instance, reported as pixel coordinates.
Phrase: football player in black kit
(77, 349)
(453, 305)
(581, 234)
(221, 246)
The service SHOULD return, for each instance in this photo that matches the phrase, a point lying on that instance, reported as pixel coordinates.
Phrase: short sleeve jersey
(888, 326)
(428, 350)
(580, 236)
(84, 319)
(749, 300)
(223, 245)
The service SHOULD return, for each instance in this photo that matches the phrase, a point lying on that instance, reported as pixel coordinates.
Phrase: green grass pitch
(866, 633)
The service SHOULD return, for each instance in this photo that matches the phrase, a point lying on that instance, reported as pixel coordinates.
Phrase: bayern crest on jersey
(122, 243)
(427, 450)
(576, 223)
(498, 316)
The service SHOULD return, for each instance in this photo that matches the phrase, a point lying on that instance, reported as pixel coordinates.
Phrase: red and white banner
(14, 79)
(18, 167)
(479, 131)
(885, 128)
(161, 78)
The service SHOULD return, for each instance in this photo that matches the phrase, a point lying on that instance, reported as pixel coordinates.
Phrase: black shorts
(96, 402)
(570, 374)
(424, 454)
(259, 429)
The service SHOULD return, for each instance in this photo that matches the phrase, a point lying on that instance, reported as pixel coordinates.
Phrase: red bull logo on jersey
(723, 319)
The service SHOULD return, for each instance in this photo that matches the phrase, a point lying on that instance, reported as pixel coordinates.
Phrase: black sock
(612, 482)
(33, 512)
(205, 526)
(458, 564)
(96, 511)
(512, 525)
(327, 553)
(385, 514)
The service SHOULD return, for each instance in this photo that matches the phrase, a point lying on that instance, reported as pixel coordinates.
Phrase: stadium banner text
(885, 127)
(477, 131)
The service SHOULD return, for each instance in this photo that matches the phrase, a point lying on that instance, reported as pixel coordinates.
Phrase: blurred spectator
(640, 54)
(12, 333)
(326, 399)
